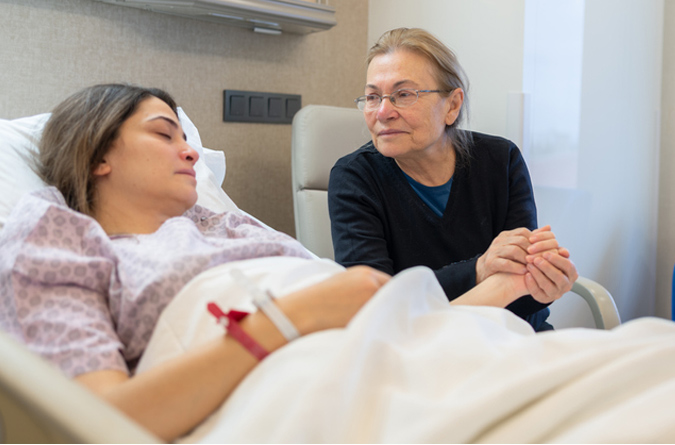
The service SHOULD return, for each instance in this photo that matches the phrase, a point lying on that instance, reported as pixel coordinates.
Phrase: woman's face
(150, 166)
(417, 130)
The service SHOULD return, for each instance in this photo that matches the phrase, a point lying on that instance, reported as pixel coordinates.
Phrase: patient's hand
(543, 240)
(334, 301)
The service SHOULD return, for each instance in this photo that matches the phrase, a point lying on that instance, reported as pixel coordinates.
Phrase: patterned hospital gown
(88, 302)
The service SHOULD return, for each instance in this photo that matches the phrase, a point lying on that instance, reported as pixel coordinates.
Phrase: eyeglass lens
(399, 98)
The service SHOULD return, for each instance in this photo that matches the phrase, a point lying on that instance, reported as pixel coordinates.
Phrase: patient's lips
(187, 171)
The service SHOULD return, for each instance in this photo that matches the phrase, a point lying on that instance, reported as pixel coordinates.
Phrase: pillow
(18, 144)
(210, 169)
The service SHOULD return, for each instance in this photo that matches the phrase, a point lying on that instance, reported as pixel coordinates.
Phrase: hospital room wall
(49, 49)
(666, 223)
(615, 228)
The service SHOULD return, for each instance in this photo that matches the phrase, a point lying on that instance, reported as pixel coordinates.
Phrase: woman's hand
(506, 253)
(550, 273)
(203, 377)
(522, 262)
(510, 250)
(550, 276)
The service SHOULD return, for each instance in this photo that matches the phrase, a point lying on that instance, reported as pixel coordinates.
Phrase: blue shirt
(436, 197)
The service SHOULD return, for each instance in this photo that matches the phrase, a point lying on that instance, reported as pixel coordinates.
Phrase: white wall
(619, 147)
(666, 232)
(486, 36)
(617, 170)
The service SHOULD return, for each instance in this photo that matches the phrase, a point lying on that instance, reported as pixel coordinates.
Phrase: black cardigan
(377, 218)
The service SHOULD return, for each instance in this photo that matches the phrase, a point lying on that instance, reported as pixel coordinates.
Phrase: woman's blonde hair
(447, 70)
(80, 132)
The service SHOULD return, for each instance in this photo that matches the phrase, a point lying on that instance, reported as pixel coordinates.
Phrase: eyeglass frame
(362, 99)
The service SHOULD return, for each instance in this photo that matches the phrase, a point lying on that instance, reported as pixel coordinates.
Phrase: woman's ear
(102, 169)
(456, 99)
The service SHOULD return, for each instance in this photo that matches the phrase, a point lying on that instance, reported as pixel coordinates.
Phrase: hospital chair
(323, 134)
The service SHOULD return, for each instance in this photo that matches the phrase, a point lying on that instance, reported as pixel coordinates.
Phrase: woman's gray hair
(79, 134)
(447, 70)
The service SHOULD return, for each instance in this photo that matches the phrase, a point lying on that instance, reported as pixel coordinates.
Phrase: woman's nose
(386, 109)
(189, 154)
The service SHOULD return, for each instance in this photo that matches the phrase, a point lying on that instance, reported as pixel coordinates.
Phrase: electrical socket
(253, 106)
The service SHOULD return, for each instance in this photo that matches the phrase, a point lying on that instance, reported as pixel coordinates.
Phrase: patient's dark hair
(447, 70)
(80, 132)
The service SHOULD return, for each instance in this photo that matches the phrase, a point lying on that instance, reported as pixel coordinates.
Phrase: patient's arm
(548, 276)
(171, 399)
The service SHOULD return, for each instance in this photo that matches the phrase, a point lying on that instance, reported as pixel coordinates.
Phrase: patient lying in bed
(91, 268)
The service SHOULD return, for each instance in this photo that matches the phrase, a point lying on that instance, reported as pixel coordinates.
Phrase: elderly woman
(89, 263)
(425, 192)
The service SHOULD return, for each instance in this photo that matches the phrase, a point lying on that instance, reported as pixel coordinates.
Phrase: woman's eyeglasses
(400, 98)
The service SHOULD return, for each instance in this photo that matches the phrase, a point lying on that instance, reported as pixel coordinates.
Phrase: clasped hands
(534, 261)
(518, 262)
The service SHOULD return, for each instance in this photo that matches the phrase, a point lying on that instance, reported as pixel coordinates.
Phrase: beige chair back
(321, 135)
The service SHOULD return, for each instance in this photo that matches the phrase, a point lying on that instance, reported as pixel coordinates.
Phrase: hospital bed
(39, 404)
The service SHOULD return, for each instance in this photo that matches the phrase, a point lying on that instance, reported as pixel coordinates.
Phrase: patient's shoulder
(42, 218)
(45, 196)
(30, 209)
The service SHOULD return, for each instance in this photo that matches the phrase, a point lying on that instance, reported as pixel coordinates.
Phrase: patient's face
(150, 166)
(412, 131)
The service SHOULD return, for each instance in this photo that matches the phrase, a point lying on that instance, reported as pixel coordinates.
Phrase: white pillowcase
(18, 144)
(210, 169)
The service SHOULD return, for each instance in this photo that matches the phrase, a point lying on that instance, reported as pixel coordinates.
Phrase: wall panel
(52, 48)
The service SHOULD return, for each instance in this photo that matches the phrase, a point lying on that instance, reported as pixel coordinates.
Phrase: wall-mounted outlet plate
(252, 106)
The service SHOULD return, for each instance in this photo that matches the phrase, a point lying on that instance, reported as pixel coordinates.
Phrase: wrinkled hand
(509, 251)
(550, 275)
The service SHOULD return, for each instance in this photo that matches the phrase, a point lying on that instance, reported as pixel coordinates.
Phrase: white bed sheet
(411, 369)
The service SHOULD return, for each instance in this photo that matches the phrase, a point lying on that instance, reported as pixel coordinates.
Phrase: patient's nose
(189, 154)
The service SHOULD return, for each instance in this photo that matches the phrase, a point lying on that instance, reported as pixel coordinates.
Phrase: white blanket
(409, 368)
